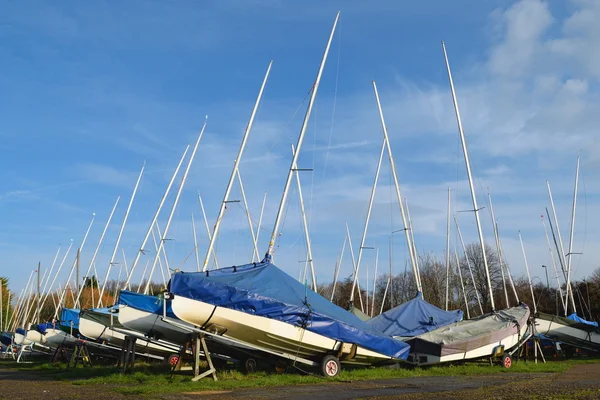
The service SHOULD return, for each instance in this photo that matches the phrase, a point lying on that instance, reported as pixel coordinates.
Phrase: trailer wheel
(330, 366)
(280, 366)
(506, 361)
(173, 360)
(250, 365)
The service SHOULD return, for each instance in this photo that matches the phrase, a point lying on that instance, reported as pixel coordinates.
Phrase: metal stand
(197, 343)
(127, 357)
(9, 352)
(80, 354)
(60, 354)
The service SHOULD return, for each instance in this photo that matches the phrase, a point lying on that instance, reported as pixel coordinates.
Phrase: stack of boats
(257, 311)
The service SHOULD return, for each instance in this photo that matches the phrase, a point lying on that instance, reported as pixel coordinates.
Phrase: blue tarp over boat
(264, 290)
(151, 304)
(576, 318)
(69, 316)
(413, 318)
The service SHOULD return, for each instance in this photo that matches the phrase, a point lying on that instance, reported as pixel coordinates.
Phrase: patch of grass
(156, 379)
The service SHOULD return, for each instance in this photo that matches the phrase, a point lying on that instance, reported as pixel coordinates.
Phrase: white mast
(462, 243)
(64, 292)
(468, 166)
(255, 255)
(195, 244)
(260, 217)
(398, 193)
(528, 275)
(337, 268)
(87, 273)
(56, 275)
(389, 278)
(570, 253)
(374, 281)
(462, 285)
(309, 254)
(208, 234)
(412, 237)
(497, 239)
(298, 146)
(51, 269)
(116, 248)
(168, 225)
(562, 257)
(236, 164)
(160, 205)
(368, 217)
(355, 271)
(559, 289)
(448, 250)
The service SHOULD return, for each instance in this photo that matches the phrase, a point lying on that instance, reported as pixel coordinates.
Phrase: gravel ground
(581, 382)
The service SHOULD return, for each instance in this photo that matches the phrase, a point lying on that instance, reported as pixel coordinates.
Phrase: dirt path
(581, 382)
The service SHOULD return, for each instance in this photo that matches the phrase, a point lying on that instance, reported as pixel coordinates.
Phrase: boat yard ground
(572, 379)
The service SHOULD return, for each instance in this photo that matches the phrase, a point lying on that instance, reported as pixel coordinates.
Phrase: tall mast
(39, 285)
(398, 193)
(462, 285)
(215, 232)
(255, 255)
(464, 248)
(337, 267)
(195, 244)
(387, 285)
(412, 239)
(168, 225)
(558, 287)
(309, 254)
(369, 208)
(93, 260)
(471, 186)
(160, 205)
(374, 281)
(116, 248)
(208, 234)
(497, 239)
(77, 283)
(570, 253)
(448, 249)
(298, 146)
(528, 274)
(355, 271)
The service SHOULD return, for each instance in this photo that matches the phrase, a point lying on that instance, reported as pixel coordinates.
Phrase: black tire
(251, 365)
(330, 366)
(506, 361)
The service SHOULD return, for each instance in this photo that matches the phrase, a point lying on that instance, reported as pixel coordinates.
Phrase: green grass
(156, 379)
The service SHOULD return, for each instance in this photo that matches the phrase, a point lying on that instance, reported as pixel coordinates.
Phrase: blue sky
(92, 89)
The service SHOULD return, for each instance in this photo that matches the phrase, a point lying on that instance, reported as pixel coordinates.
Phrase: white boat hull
(268, 334)
(97, 331)
(34, 336)
(568, 334)
(151, 325)
(21, 340)
(56, 337)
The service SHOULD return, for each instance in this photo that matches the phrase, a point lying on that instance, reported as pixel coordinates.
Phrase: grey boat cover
(471, 334)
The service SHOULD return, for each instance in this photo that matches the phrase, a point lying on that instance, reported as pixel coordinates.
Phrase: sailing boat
(570, 329)
(262, 307)
(494, 334)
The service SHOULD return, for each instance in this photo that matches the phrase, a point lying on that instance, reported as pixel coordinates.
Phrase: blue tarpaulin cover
(264, 290)
(68, 315)
(413, 318)
(151, 304)
(576, 318)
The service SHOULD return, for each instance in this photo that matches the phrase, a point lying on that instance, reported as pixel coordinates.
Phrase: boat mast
(305, 226)
(471, 186)
(161, 245)
(47, 279)
(462, 285)
(255, 255)
(448, 249)
(93, 260)
(398, 193)
(154, 219)
(559, 289)
(337, 267)
(355, 272)
(366, 226)
(116, 248)
(412, 239)
(528, 275)
(462, 243)
(374, 281)
(260, 218)
(562, 257)
(570, 253)
(298, 146)
(195, 244)
(234, 172)
(208, 234)
(389, 278)
(497, 239)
